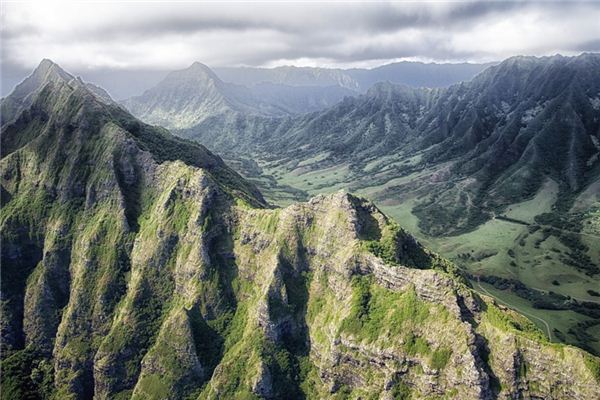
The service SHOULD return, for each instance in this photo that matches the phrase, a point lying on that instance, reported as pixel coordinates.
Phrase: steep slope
(381, 121)
(136, 265)
(357, 128)
(516, 125)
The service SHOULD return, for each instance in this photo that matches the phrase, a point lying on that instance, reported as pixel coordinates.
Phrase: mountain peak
(46, 71)
(197, 71)
(49, 70)
(46, 64)
(199, 65)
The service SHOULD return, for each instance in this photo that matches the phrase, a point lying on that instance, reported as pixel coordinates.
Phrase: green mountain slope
(138, 265)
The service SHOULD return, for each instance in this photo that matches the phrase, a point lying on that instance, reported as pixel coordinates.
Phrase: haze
(134, 44)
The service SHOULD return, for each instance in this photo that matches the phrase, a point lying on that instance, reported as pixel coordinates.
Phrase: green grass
(541, 203)
(326, 180)
(314, 160)
(508, 322)
(593, 364)
(375, 310)
(401, 391)
(416, 345)
(440, 358)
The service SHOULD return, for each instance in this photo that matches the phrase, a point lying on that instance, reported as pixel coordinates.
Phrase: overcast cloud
(154, 36)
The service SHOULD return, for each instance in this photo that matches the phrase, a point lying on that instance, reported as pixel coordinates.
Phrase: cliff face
(136, 265)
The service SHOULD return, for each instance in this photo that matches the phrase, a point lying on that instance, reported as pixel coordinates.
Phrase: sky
(136, 38)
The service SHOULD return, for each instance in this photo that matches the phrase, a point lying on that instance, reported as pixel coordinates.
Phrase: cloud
(158, 36)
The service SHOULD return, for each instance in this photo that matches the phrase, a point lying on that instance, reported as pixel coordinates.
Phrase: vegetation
(512, 321)
(26, 374)
(397, 247)
(377, 312)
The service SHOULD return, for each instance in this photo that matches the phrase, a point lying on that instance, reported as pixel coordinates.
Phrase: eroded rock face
(126, 275)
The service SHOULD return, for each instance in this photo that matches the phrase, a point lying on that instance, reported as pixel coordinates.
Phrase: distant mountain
(137, 265)
(417, 74)
(300, 99)
(289, 76)
(414, 74)
(188, 97)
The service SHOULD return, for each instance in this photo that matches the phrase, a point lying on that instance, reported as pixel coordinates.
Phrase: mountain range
(195, 97)
(124, 84)
(414, 74)
(136, 264)
(189, 97)
(500, 173)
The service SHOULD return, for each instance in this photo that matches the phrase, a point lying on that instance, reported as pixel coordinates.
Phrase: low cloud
(162, 36)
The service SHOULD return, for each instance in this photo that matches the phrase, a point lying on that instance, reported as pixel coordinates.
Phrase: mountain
(414, 74)
(501, 173)
(138, 265)
(120, 83)
(349, 126)
(185, 98)
(189, 97)
(197, 100)
(289, 76)
(417, 74)
(300, 99)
